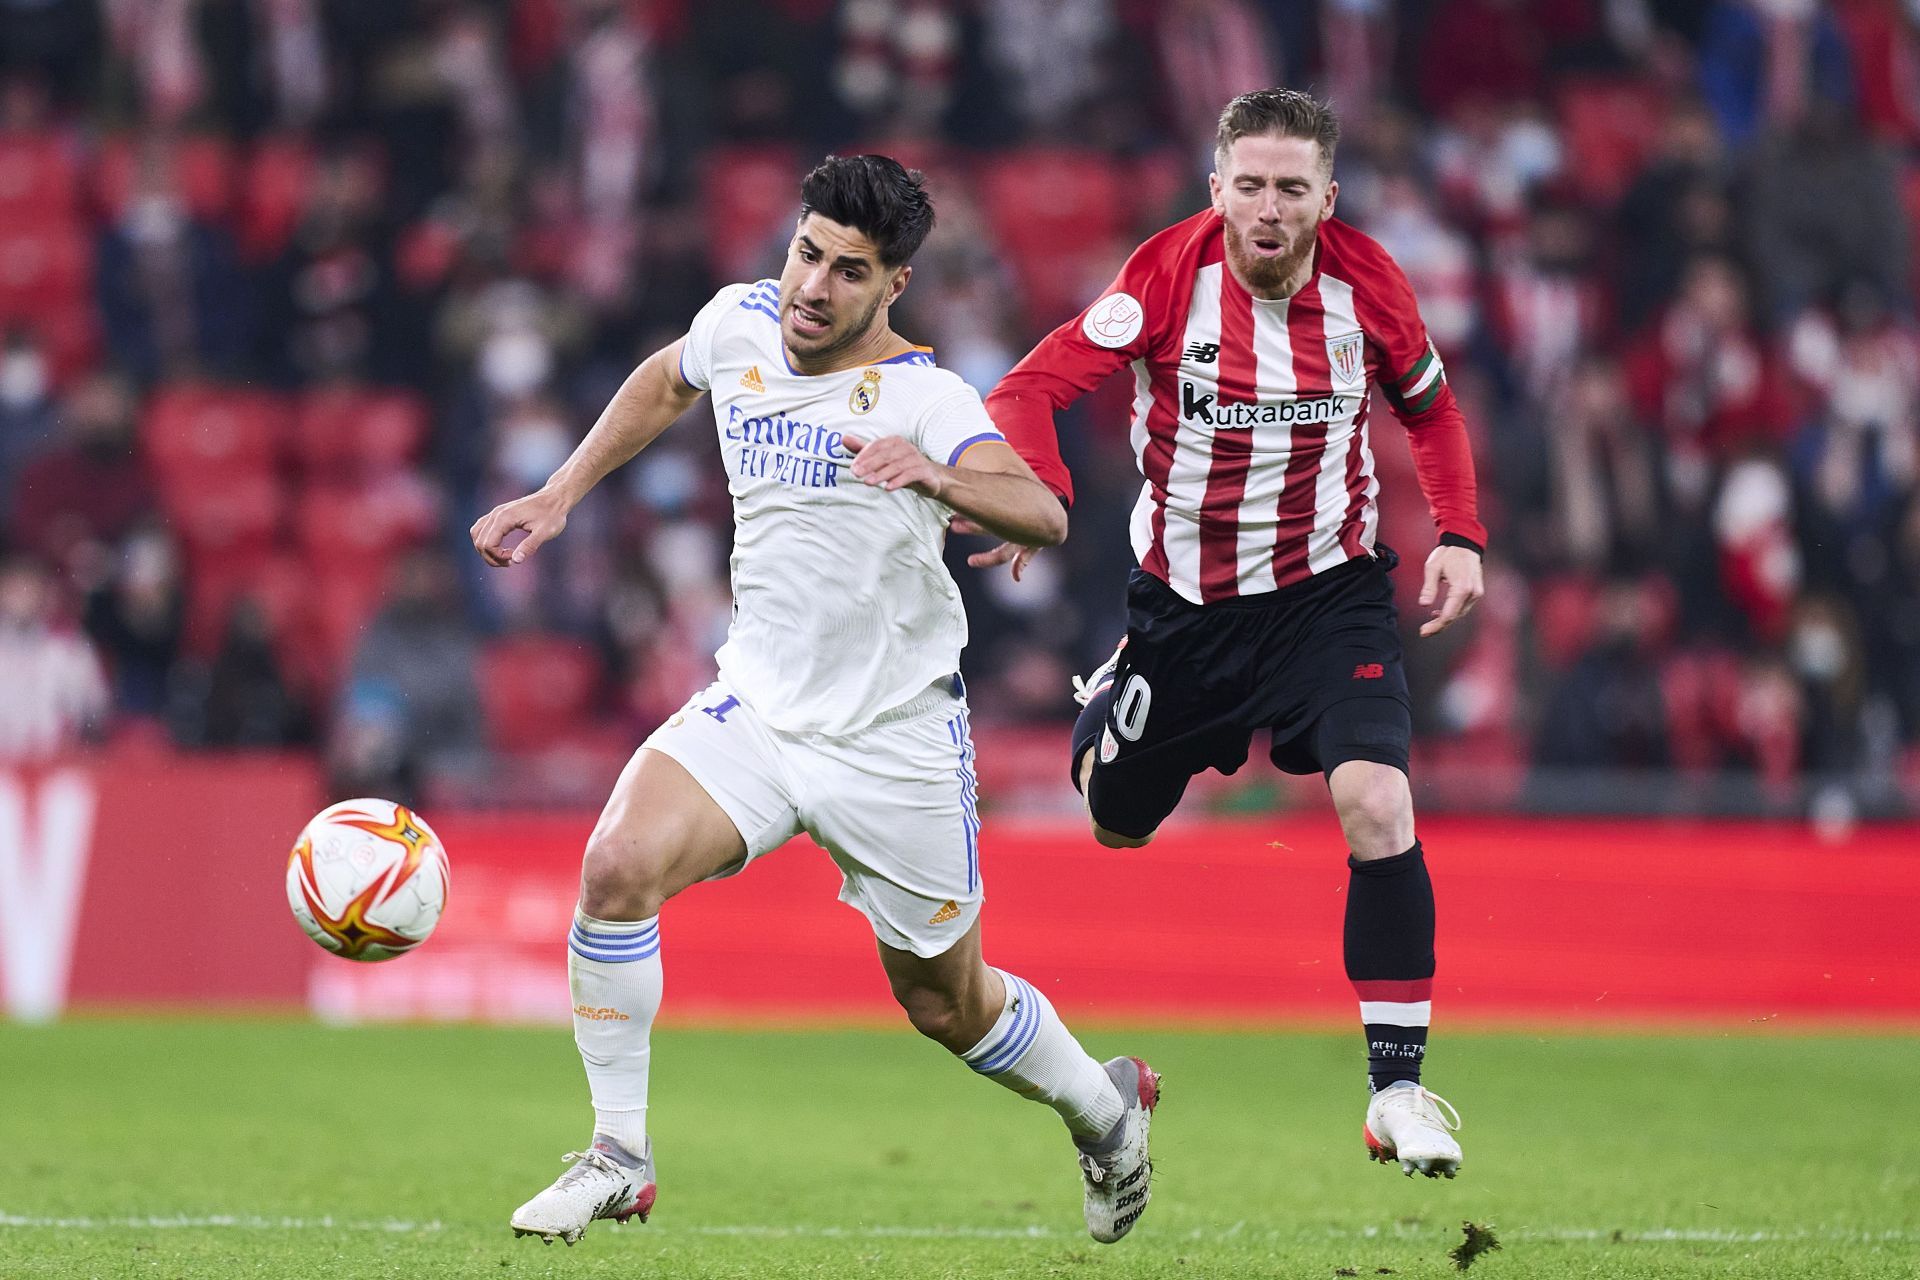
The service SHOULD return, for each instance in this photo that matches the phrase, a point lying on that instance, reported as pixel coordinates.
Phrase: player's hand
(1457, 571)
(892, 462)
(543, 515)
(994, 557)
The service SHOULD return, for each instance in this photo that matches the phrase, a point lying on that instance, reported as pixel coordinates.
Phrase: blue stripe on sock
(1020, 1037)
(606, 957)
(618, 939)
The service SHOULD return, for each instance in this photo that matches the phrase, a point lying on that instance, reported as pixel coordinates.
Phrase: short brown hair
(1286, 113)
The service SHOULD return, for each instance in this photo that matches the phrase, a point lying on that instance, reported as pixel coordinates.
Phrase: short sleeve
(955, 423)
(696, 353)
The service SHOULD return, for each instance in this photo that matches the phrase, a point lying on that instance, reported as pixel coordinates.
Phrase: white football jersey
(842, 607)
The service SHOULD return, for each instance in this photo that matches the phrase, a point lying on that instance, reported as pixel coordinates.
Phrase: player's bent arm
(995, 488)
(647, 403)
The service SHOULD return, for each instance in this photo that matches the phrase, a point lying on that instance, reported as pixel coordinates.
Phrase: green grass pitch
(163, 1149)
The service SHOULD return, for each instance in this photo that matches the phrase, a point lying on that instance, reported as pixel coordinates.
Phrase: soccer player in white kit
(839, 709)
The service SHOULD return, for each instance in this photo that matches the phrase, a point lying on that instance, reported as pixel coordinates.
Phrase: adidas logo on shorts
(948, 911)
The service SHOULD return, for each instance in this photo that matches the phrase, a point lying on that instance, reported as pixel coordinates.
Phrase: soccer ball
(367, 879)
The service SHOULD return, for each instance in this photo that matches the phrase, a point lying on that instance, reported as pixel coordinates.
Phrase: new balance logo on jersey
(1194, 406)
(1203, 352)
(751, 379)
(1369, 671)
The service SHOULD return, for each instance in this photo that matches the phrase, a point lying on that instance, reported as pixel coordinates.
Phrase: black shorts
(1318, 663)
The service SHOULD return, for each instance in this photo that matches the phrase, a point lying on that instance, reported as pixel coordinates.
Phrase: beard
(836, 339)
(1259, 273)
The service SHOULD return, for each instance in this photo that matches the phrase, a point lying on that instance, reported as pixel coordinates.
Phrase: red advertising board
(151, 879)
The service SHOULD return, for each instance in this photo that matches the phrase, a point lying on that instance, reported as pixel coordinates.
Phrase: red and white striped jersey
(1250, 416)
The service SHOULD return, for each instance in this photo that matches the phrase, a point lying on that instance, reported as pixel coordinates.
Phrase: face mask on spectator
(23, 378)
(515, 363)
(531, 449)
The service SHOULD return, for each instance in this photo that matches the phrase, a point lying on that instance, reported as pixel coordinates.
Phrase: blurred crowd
(291, 291)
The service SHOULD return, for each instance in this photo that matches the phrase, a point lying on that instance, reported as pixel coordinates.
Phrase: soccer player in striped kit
(1256, 332)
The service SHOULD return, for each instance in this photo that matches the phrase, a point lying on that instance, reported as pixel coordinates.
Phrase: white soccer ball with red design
(368, 879)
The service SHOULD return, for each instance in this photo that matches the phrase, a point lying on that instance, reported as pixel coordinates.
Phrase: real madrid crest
(866, 392)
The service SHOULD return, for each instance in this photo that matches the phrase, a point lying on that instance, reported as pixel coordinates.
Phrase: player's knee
(935, 1013)
(1375, 806)
(620, 878)
(1114, 840)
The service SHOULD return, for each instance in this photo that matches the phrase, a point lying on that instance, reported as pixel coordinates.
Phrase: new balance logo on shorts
(1369, 671)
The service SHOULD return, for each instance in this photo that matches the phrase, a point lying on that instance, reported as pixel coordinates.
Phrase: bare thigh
(659, 832)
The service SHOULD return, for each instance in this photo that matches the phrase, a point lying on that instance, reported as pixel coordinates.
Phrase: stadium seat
(213, 430)
(341, 432)
(279, 175)
(224, 513)
(1055, 211)
(1611, 126)
(202, 172)
(748, 194)
(364, 522)
(39, 180)
(537, 690)
(42, 267)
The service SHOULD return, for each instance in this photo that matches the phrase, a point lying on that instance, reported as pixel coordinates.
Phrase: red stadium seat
(224, 513)
(749, 195)
(365, 522)
(202, 171)
(1055, 211)
(537, 690)
(279, 177)
(1611, 127)
(42, 267)
(39, 180)
(348, 431)
(213, 430)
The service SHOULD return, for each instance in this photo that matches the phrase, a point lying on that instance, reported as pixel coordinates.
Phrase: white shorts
(893, 804)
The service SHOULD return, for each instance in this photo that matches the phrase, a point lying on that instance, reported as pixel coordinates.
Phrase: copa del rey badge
(1343, 354)
(1114, 321)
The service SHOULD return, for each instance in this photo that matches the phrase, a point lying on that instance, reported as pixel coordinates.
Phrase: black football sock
(1389, 954)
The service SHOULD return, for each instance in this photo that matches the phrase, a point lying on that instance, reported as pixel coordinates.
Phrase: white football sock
(613, 968)
(1030, 1051)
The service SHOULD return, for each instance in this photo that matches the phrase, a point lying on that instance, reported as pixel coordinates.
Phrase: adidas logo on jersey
(751, 379)
(949, 910)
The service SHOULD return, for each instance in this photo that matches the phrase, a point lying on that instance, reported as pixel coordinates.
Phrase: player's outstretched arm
(648, 402)
(990, 486)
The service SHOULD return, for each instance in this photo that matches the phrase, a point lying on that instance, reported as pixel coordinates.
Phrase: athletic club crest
(866, 392)
(1343, 355)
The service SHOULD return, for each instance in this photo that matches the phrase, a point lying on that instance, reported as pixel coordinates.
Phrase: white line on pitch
(243, 1222)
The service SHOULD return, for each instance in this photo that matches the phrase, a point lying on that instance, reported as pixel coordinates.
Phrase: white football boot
(1116, 1169)
(1408, 1124)
(598, 1186)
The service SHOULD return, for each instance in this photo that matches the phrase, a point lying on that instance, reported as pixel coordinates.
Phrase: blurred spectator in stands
(28, 423)
(1606, 476)
(1549, 303)
(1824, 651)
(895, 68)
(1212, 51)
(1824, 208)
(54, 693)
(1482, 53)
(171, 294)
(266, 63)
(135, 617)
(1607, 711)
(156, 70)
(1051, 57)
(1675, 210)
(1356, 57)
(411, 705)
(1764, 62)
(329, 301)
(85, 492)
(1759, 561)
(58, 43)
(1703, 374)
(242, 698)
(1438, 260)
(1883, 40)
